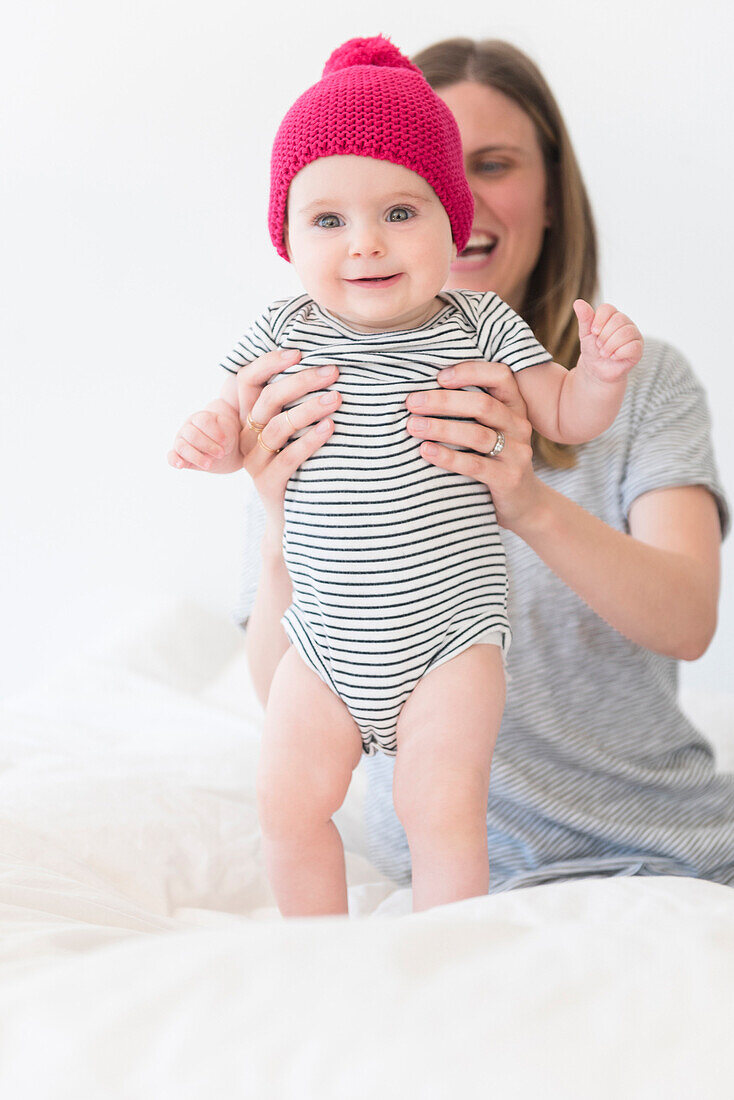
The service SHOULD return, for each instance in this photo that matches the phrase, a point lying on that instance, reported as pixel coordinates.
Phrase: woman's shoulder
(663, 379)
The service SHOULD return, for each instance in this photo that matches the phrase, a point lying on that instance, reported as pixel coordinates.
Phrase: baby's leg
(310, 747)
(446, 736)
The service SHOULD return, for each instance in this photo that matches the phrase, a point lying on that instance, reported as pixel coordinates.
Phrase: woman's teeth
(477, 244)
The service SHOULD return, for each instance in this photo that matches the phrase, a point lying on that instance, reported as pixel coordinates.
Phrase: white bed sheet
(142, 956)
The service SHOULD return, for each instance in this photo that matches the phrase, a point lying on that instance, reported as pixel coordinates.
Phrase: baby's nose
(366, 241)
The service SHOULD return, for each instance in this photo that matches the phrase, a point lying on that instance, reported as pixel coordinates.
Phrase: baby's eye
(403, 212)
(332, 221)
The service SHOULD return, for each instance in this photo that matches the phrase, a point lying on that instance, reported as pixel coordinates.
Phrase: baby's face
(352, 221)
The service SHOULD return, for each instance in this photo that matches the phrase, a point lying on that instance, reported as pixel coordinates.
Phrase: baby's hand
(208, 441)
(610, 343)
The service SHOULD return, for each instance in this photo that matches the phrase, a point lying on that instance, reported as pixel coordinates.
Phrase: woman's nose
(479, 203)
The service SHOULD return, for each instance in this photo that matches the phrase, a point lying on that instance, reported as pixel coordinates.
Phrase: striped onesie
(396, 565)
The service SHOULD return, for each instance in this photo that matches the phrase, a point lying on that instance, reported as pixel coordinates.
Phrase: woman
(613, 549)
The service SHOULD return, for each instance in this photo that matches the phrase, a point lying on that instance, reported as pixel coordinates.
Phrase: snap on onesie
(396, 565)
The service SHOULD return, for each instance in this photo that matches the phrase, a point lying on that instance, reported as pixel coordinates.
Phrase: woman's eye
(331, 219)
(403, 212)
(491, 167)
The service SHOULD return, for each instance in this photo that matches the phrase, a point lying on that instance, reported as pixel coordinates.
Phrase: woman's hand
(268, 457)
(509, 476)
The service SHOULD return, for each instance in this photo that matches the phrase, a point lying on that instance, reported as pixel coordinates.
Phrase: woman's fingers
(462, 404)
(252, 377)
(474, 418)
(279, 429)
(266, 468)
(500, 472)
(260, 370)
(271, 399)
(287, 390)
(475, 437)
(496, 378)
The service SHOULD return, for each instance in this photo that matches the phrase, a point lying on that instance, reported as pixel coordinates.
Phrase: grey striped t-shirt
(596, 769)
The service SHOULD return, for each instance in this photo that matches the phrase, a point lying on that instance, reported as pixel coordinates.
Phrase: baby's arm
(577, 405)
(210, 439)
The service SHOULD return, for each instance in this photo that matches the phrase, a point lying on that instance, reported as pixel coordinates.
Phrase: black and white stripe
(396, 564)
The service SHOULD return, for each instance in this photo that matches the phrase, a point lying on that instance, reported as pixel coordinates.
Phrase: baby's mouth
(376, 280)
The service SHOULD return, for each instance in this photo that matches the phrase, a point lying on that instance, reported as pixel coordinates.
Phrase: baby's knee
(292, 796)
(436, 804)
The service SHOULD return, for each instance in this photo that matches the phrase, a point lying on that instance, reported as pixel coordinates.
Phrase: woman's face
(505, 170)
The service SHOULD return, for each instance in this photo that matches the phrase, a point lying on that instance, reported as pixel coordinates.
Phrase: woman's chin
(474, 272)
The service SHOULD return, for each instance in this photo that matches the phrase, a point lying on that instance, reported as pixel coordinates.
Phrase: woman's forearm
(657, 598)
(266, 639)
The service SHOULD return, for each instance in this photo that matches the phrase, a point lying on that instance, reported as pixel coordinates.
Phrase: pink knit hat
(372, 101)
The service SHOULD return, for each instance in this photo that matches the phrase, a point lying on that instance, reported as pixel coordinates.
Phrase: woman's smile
(478, 252)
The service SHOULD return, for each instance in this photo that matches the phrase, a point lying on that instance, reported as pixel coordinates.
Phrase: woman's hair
(567, 265)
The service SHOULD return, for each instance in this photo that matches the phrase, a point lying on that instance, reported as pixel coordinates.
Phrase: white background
(136, 140)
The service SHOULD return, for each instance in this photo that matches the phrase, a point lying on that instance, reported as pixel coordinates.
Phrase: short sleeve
(257, 340)
(504, 337)
(670, 441)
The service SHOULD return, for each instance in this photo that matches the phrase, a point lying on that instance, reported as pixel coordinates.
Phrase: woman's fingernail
(417, 399)
(417, 423)
(429, 448)
(446, 375)
(323, 426)
(288, 353)
(327, 399)
(323, 371)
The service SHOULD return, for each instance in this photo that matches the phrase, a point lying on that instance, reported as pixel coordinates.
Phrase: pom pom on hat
(372, 101)
(368, 51)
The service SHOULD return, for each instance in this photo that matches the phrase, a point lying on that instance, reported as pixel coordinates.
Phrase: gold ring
(252, 424)
(272, 450)
(289, 419)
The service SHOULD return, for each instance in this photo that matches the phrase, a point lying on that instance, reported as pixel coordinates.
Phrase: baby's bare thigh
(308, 728)
(453, 714)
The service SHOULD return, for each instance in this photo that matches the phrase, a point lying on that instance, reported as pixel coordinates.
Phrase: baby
(398, 623)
